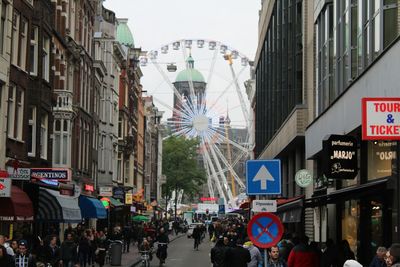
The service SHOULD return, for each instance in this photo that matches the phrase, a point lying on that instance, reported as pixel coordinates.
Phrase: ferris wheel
(216, 109)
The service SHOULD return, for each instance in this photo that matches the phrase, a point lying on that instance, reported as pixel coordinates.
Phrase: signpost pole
(265, 257)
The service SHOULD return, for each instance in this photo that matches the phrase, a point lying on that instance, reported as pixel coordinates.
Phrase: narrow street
(181, 254)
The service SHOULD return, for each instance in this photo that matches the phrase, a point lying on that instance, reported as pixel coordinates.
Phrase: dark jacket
(196, 233)
(27, 258)
(68, 251)
(303, 256)
(376, 262)
(218, 254)
(52, 255)
(237, 256)
(279, 263)
(6, 260)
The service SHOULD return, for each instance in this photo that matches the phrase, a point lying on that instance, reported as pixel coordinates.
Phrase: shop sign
(128, 198)
(89, 187)
(119, 193)
(51, 174)
(19, 173)
(381, 118)
(264, 206)
(303, 178)
(133, 209)
(339, 157)
(208, 199)
(106, 191)
(5, 187)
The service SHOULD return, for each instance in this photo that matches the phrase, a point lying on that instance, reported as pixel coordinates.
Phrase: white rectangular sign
(264, 206)
(5, 187)
(381, 118)
(105, 191)
(19, 174)
(202, 207)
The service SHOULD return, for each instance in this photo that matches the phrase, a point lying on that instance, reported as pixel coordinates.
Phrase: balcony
(63, 106)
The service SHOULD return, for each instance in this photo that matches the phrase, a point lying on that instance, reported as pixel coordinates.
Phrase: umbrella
(140, 218)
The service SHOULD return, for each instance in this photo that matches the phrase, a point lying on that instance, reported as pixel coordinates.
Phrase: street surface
(181, 254)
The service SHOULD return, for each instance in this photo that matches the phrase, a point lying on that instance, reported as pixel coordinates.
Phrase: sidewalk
(133, 257)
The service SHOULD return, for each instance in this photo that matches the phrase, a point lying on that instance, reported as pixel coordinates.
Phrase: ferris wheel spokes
(240, 95)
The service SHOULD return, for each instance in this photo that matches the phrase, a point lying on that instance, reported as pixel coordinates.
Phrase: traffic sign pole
(265, 257)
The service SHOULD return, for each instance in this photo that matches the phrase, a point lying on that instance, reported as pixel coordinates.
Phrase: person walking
(197, 237)
(84, 250)
(218, 253)
(52, 254)
(237, 256)
(5, 259)
(329, 255)
(378, 260)
(101, 248)
(274, 259)
(302, 255)
(255, 254)
(68, 252)
(127, 234)
(23, 258)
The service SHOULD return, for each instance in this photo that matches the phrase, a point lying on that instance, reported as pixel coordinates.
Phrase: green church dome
(124, 34)
(190, 73)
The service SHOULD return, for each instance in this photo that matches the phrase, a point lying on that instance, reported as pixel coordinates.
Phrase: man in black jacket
(68, 252)
(52, 252)
(237, 256)
(218, 253)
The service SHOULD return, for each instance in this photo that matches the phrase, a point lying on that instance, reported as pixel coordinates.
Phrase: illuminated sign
(89, 187)
(208, 198)
(51, 174)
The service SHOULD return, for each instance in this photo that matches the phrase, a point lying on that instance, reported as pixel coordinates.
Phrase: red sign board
(208, 198)
(265, 230)
(89, 187)
(381, 118)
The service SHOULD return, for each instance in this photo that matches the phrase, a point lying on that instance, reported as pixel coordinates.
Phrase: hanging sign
(303, 178)
(381, 118)
(264, 206)
(58, 174)
(5, 187)
(339, 157)
(106, 191)
(19, 173)
(128, 198)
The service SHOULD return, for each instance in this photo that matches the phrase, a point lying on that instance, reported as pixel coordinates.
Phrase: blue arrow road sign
(263, 177)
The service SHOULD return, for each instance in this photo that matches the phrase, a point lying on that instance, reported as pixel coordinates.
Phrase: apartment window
(43, 135)
(390, 27)
(46, 58)
(33, 54)
(15, 115)
(23, 44)
(31, 140)
(120, 128)
(102, 152)
(119, 167)
(3, 27)
(61, 142)
(15, 37)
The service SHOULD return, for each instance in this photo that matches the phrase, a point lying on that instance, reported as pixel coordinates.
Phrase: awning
(290, 210)
(115, 203)
(18, 207)
(352, 192)
(92, 208)
(54, 207)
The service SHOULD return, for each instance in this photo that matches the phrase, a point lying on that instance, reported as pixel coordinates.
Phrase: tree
(181, 168)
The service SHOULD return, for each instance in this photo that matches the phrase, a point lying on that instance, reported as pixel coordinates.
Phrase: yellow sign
(128, 198)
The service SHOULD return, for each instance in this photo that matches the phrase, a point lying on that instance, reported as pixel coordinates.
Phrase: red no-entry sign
(265, 230)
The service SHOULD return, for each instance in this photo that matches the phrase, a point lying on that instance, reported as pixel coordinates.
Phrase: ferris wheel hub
(200, 123)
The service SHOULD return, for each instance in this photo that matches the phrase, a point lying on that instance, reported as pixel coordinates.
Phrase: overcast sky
(157, 22)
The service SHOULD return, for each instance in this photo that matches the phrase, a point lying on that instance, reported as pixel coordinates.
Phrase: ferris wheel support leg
(206, 156)
(223, 159)
(222, 137)
(222, 174)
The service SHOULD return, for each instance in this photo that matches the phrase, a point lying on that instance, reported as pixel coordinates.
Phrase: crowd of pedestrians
(81, 247)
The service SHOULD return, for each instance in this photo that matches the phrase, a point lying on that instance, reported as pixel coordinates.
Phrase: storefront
(362, 210)
(16, 212)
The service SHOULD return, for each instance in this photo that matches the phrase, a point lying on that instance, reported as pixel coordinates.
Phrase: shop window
(376, 224)
(350, 223)
(381, 159)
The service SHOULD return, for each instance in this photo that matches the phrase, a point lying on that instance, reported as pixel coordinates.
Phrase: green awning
(115, 203)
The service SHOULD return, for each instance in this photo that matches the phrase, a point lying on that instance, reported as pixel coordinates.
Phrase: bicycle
(145, 256)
